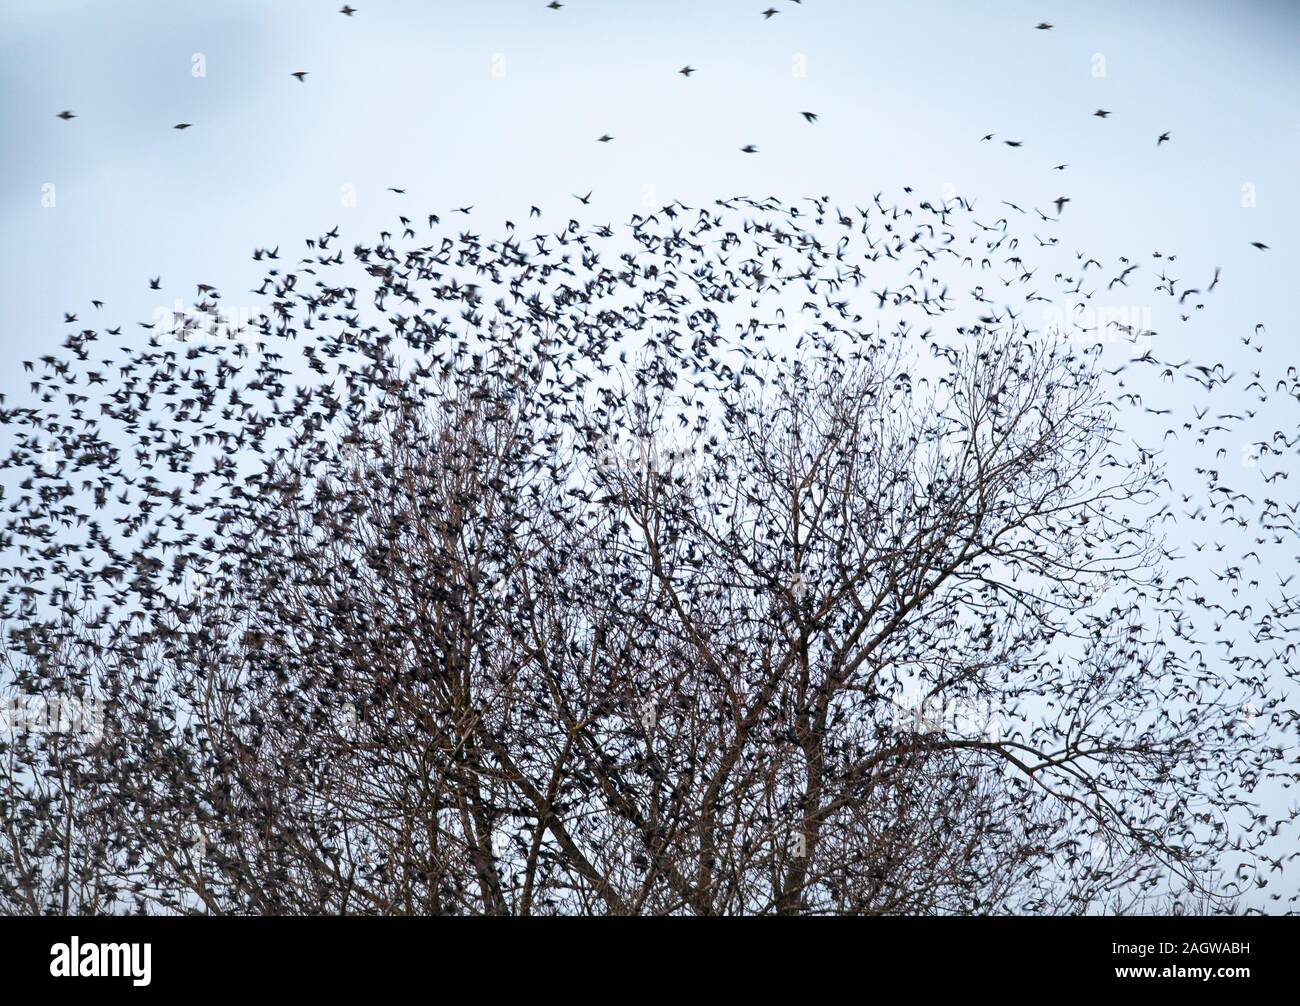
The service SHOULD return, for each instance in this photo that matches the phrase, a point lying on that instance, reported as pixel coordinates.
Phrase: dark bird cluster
(526, 573)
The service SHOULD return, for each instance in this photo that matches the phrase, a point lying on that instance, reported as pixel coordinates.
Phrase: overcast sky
(499, 104)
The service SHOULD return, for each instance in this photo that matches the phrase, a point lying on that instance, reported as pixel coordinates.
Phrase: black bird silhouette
(810, 116)
(65, 115)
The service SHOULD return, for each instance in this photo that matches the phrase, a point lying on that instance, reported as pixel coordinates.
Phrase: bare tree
(591, 602)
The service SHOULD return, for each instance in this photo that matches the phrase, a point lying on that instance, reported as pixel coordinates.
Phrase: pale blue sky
(498, 104)
(404, 94)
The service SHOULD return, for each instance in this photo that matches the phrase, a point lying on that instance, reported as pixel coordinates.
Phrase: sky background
(498, 105)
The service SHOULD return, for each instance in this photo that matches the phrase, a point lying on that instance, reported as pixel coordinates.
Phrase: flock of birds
(810, 117)
(127, 456)
(751, 148)
(748, 148)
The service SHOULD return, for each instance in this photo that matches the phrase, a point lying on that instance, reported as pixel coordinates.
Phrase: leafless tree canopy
(672, 568)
